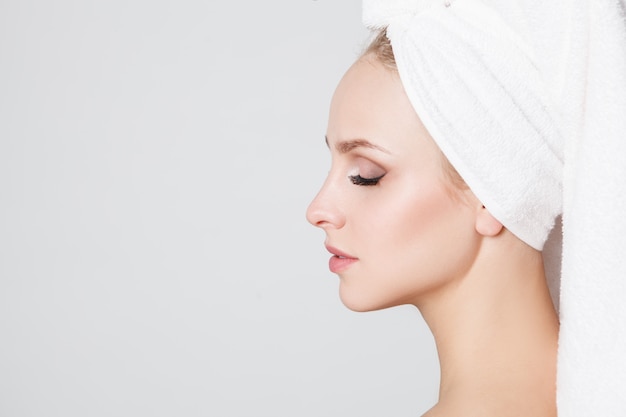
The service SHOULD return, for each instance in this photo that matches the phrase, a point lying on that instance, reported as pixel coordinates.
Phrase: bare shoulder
(442, 411)
(485, 410)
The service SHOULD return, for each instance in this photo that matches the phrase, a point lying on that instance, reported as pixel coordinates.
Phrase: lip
(340, 261)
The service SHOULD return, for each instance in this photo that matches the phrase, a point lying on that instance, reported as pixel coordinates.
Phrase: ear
(486, 224)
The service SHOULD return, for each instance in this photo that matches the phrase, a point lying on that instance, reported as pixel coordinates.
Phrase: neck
(496, 335)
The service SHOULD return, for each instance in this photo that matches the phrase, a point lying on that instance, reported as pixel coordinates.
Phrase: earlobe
(486, 224)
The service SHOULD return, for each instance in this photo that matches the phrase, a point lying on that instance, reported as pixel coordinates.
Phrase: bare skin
(405, 235)
(496, 335)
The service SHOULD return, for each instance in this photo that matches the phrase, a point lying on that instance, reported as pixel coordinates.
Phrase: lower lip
(337, 264)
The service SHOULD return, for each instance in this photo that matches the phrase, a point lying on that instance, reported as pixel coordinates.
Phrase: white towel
(527, 99)
(478, 90)
(592, 348)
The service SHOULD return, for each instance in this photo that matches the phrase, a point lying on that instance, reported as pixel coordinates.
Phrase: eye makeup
(367, 172)
(359, 180)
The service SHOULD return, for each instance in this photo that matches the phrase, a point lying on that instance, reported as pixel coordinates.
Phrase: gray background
(156, 161)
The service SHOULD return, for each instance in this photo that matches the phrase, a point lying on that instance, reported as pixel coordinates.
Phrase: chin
(358, 307)
(360, 302)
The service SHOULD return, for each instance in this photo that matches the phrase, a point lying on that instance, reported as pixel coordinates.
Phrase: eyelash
(359, 180)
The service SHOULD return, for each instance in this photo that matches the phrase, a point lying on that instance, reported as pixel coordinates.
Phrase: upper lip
(339, 253)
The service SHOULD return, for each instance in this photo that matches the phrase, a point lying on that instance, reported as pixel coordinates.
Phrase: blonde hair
(381, 49)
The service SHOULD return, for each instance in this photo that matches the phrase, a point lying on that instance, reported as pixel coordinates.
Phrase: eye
(366, 172)
(359, 180)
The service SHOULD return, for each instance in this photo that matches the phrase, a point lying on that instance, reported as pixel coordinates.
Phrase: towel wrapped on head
(527, 100)
(478, 91)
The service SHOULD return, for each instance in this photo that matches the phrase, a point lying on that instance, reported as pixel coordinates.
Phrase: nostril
(314, 216)
(317, 214)
(323, 211)
(324, 217)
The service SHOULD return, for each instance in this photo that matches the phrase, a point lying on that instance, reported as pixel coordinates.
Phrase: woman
(460, 236)
(403, 228)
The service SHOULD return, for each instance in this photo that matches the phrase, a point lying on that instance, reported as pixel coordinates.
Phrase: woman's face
(396, 228)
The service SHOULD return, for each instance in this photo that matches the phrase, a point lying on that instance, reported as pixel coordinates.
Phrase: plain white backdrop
(156, 161)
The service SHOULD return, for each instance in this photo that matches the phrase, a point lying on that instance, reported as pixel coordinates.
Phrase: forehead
(370, 103)
(366, 87)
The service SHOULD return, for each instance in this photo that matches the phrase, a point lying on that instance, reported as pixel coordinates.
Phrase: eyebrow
(348, 145)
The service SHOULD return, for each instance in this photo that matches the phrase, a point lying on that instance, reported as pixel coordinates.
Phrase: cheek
(426, 233)
(412, 212)
(411, 239)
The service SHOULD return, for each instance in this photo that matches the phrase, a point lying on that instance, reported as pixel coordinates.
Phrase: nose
(324, 210)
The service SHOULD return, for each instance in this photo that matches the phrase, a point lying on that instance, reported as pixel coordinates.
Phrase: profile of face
(395, 226)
